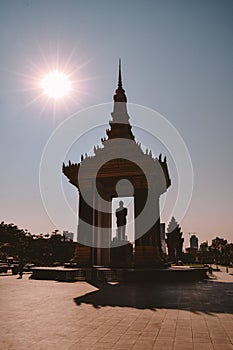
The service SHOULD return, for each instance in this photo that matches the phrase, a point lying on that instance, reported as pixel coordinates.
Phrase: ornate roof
(120, 156)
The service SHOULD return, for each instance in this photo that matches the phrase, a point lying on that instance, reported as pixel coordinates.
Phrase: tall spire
(119, 75)
(119, 125)
(120, 92)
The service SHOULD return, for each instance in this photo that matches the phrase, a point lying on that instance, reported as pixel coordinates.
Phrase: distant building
(218, 242)
(68, 236)
(204, 247)
(162, 237)
(193, 242)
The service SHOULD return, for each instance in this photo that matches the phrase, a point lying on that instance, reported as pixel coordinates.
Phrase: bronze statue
(121, 214)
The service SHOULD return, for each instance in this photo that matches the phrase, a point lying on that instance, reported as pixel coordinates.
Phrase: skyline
(177, 62)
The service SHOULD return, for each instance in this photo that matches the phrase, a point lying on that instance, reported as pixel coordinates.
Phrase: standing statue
(121, 214)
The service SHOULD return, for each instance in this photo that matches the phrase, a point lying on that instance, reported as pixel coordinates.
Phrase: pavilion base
(83, 255)
(100, 273)
(148, 257)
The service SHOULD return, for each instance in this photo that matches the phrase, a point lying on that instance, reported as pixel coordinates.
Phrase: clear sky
(177, 59)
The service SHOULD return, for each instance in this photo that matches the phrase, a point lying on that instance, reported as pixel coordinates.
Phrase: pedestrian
(20, 270)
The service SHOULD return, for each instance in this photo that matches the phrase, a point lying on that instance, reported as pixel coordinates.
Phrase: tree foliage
(44, 250)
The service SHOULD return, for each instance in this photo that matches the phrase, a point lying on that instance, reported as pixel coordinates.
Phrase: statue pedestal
(121, 253)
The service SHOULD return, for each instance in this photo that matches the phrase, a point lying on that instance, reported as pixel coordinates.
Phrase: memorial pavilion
(119, 168)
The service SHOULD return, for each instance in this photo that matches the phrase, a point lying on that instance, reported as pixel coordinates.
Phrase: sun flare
(56, 84)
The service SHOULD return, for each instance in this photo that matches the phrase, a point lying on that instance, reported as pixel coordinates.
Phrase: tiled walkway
(68, 316)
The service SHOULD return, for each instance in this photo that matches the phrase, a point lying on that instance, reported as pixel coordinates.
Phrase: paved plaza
(44, 315)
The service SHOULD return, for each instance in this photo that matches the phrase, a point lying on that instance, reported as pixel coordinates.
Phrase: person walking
(21, 265)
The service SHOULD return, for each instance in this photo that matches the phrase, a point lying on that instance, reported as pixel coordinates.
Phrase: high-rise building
(193, 242)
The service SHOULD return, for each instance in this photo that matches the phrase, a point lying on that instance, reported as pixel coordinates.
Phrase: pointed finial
(119, 75)
(120, 92)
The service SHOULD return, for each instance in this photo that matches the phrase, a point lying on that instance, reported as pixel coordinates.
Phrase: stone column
(148, 246)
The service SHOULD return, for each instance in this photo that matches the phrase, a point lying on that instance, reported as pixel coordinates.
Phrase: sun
(56, 84)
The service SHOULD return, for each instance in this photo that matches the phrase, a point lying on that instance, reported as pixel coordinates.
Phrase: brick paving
(48, 315)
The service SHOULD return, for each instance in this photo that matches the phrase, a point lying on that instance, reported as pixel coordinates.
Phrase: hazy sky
(177, 59)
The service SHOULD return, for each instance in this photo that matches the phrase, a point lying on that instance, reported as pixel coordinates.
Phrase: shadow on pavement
(205, 296)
